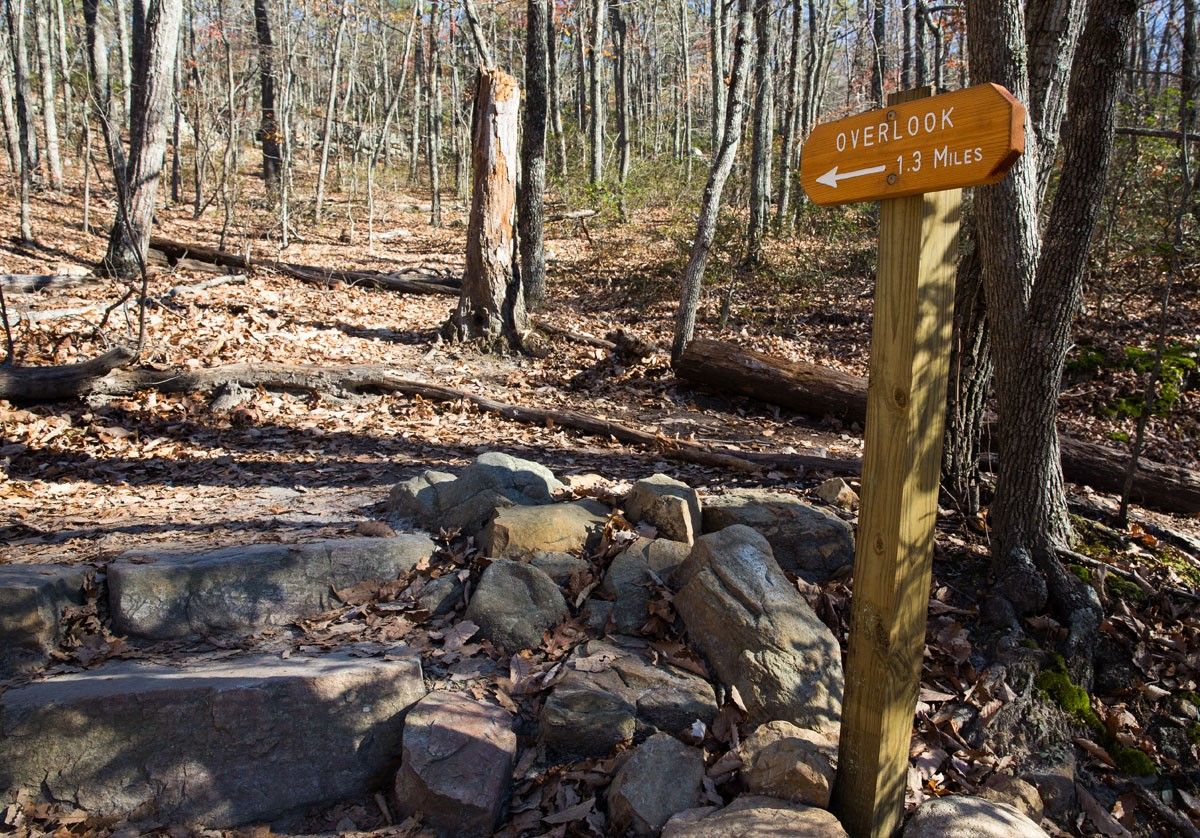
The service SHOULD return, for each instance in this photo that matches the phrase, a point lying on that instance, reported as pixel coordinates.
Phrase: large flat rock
(32, 599)
(173, 594)
(220, 743)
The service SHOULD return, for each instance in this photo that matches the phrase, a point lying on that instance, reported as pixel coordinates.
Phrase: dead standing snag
(491, 307)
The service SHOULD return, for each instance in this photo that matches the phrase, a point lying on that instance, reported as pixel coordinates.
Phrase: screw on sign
(969, 137)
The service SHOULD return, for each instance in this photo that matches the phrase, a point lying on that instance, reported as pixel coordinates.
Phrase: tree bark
(492, 305)
(716, 40)
(621, 85)
(879, 63)
(156, 34)
(125, 49)
(556, 120)
(8, 109)
(710, 205)
(533, 156)
(268, 129)
(791, 118)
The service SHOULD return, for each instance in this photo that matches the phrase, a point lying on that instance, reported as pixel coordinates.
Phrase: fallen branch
(1128, 575)
(29, 283)
(58, 383)
(350, 379)
(418, 283)
(820, 391)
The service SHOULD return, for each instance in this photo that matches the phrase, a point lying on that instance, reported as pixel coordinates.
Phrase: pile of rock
(253, 739)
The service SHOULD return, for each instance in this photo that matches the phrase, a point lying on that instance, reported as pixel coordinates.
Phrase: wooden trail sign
(906, 406)
(966, 138)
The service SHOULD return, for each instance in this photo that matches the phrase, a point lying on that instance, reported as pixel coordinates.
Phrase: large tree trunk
(125, 48)
(760, 157)
(533, 156)
(710, 205)
(879, 62)
(823, 392)
(42, 22)
(268, 129)
(1051, 32)
(492, 305)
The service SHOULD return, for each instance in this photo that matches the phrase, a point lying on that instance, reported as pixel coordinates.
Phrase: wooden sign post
(917, 155)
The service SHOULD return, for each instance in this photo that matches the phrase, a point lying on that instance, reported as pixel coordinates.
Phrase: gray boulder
(628, 578)
(663, 776)
(456, 768)
(806, 540)
(789, 762)
(758, 633)
(441, 595)
(611, 695)
(174, 594)
(221, 743)
(670, 505)
(33, 598)
(559, 566)
(520, 532)
(754, 815)
(439, 500)
(959, 816)
(514, 604)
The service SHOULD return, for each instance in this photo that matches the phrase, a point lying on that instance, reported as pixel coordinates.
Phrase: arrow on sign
(832, 177)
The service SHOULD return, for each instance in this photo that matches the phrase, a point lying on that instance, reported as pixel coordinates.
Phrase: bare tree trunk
(125, 49)
(268, 129)
(482, 50)
(906, 51)
(492, 304)
(716, 41)
(621, 79)
(8, 108)
(879, 63)
(16, 42)
(595, 100)
(533, 156)
(790, 118)
(556, 120)
(64, 68)
(685, 49)
(177, 126)
(330, 107)
(41, 27)
(156, 34)
(760, 162)
(706, 224)
(435, 116)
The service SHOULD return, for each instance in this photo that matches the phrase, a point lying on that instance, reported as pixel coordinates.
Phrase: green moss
(1188, 695)
(1059, 688)
(1131, 760)
(1030, 643)
(1124, 589)
(1082, 572)
(1194, 733)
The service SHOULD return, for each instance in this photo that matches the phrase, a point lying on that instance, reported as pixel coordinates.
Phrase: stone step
(218, 743)
(32, 601)
(168, 594)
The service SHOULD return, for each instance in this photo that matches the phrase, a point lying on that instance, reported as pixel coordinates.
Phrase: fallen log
(59, 383)
(30, 283)
(416, 283)
(819, 391)
(355, 379)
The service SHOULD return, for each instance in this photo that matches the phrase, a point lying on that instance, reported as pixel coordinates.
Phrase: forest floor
(87, 481)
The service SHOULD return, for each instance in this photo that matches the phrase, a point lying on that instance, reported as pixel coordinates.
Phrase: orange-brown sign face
(965, 138)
